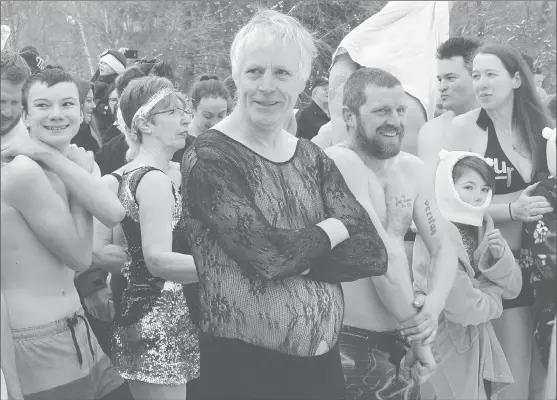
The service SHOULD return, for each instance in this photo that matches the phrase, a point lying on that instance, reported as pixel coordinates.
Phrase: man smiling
(13, 72)
(390, 186)
(50, 193)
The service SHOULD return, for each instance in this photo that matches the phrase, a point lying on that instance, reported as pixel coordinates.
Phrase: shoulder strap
(118, 177)
(135, 177)
(483, 120)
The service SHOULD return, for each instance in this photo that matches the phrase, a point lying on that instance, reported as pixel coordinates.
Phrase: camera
(131, 54)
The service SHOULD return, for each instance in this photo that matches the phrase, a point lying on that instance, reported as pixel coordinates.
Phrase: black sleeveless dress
(155, 339)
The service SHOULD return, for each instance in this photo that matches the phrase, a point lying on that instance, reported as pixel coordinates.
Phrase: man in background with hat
(31, 55)
(314, 116)
(111, 64)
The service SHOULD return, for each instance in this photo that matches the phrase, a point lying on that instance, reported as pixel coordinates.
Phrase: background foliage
(195, 35)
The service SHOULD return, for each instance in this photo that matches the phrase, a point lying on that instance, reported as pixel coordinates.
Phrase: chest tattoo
(402, 201)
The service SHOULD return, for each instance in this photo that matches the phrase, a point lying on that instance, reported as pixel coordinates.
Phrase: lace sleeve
(218, 196)
(364, 253)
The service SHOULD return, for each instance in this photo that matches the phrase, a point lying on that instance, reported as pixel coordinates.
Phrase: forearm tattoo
(430, 219)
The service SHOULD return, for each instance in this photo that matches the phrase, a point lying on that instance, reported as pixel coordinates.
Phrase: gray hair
(268, 26)
(354, 95)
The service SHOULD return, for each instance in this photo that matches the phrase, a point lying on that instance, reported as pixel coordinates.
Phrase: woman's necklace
(516, 143)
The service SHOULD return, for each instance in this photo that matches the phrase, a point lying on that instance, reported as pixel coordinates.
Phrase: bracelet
(511, 213)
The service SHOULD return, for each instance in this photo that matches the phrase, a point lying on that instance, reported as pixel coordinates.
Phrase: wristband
(511, 213)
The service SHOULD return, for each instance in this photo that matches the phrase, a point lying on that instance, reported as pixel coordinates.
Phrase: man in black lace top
(274, 230)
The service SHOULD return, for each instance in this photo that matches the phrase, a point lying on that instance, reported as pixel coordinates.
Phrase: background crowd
(243, 231)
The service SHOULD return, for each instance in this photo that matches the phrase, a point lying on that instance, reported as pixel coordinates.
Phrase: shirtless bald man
(50, 192)
(390, 185)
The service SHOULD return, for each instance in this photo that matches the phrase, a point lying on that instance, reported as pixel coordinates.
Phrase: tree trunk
(84, 39)
(13, 20)
(481, 21)
(107, 29)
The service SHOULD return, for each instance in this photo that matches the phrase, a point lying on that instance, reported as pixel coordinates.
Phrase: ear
(144, 125)
(81, 115)
(350, 118)
(516, 80)
(25, 119)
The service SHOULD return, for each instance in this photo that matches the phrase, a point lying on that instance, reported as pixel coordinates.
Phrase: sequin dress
(154, 339)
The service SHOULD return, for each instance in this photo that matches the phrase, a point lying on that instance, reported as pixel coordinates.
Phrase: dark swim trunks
(370, 362)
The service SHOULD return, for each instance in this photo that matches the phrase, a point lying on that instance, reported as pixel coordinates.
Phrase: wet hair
(208, 86)
(50, 77)
(459, 46)
(477, 165)
(123, 79)
(163, 70)
(136, 94)
(529, 114)
(354, 90)
(13, 67)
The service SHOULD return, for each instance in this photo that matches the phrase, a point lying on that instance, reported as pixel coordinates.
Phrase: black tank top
(507, 178)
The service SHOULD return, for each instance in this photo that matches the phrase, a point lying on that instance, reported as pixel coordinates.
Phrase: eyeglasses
(181, 111)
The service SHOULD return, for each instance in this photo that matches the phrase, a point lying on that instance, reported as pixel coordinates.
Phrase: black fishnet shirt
(252, 231)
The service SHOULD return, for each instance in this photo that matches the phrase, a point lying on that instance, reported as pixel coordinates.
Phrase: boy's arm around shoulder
(26, 188)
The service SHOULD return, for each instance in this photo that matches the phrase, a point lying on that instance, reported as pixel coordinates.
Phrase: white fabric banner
(402, 39)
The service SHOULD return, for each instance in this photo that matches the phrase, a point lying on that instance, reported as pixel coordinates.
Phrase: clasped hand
(35, 149)
(422, 327)
(419, 364)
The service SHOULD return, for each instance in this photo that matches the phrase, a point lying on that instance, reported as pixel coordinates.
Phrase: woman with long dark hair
(508, 130)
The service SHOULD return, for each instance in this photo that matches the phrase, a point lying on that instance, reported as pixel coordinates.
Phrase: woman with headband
(155, 341)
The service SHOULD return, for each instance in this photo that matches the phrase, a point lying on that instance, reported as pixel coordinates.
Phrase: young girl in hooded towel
(470, 361)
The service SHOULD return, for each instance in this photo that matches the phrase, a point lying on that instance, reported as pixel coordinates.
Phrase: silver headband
(145, 108)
